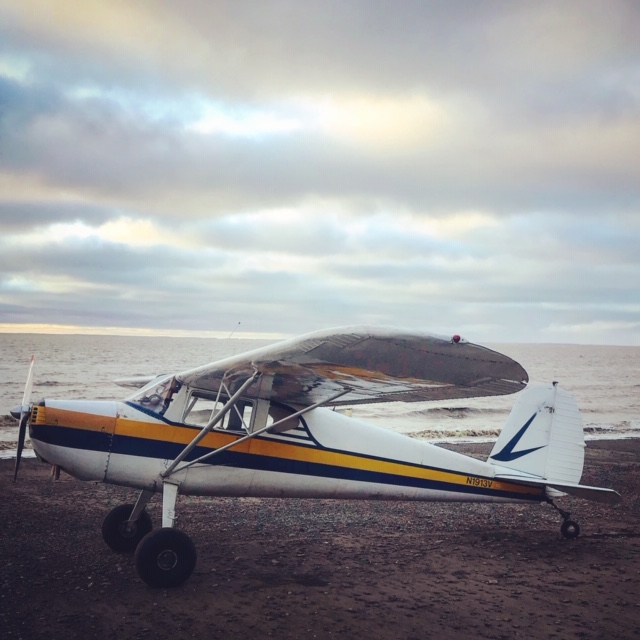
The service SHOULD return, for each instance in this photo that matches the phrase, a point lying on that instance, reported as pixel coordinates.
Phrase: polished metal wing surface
(374, 364)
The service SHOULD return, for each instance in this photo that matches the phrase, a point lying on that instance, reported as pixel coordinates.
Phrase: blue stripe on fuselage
(161, 449)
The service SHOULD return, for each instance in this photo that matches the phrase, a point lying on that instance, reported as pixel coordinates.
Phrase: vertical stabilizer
(543, 436)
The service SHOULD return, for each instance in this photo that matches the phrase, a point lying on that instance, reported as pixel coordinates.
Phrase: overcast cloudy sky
(468, 167)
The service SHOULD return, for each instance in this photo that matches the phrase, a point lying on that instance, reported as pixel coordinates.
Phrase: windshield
(157, 395)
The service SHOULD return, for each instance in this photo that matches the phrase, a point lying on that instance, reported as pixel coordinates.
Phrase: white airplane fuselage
(327, 455)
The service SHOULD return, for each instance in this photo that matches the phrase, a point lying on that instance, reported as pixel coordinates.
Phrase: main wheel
(123, 536)
(570, 529)
(165, 558)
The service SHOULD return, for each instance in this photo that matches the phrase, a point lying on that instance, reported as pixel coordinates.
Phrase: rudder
(543, 436)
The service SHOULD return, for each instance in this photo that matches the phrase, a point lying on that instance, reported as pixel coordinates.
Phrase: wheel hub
(167, 559)
(128, 529)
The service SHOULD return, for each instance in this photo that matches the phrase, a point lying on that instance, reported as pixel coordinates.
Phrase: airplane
(266, 424)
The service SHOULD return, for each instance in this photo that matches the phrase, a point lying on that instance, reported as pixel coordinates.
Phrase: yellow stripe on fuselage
(79, 420)
(276, 449)
(290, 451)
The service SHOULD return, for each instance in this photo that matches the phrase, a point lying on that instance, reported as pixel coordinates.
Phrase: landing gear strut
(166, 557)
(163, 558)
(569, 528)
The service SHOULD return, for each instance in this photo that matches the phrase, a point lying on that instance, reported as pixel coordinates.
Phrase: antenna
(234, 330)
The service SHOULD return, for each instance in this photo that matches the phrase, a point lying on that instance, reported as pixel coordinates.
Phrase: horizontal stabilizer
(597, 494)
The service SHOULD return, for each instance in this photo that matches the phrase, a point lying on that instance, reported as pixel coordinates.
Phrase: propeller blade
(26, 396)
(25, 413)
(22, 432)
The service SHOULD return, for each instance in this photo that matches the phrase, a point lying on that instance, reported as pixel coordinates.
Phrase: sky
(268, 169)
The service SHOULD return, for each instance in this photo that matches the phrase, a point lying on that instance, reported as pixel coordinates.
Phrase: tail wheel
(165, 558)
(121, 535)
(570, 529)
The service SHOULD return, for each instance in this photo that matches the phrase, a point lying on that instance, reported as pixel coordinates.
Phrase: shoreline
(292, 568)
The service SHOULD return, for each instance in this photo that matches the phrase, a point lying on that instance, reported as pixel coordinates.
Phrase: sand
(328, 569)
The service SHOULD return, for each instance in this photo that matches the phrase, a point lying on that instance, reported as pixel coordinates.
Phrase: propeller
(25, 412)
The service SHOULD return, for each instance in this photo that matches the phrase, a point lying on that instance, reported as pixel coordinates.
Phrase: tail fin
(542, 437)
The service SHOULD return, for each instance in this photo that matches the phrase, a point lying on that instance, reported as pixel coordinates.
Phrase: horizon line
(136, 332)
(59, 329)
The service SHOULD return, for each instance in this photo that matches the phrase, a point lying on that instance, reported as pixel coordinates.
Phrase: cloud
(294, 166)
(20, 215)
(97, 146)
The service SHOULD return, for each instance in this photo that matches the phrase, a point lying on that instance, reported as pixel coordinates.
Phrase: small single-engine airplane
(264, 424)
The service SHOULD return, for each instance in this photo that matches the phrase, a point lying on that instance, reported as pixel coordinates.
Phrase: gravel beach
(328, 569)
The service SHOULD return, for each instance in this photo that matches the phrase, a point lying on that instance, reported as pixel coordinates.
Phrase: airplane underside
(310, 461)
(228, 481)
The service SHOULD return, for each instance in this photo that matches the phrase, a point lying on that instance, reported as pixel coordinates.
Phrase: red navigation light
(455, 338)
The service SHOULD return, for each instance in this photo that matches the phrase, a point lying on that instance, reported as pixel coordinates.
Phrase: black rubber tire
(121, 538)
(165, 558)
(570, 529)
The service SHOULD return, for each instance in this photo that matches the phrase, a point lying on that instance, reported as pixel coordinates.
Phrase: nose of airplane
(17, 411)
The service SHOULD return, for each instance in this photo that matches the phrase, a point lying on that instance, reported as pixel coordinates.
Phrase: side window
(239, 418)
(202, 409)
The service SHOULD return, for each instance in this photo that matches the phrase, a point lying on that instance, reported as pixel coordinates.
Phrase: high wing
(136, 382)
(372, 364)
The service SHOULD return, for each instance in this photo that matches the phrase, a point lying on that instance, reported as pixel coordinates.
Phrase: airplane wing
(137, 382)
(375, 364)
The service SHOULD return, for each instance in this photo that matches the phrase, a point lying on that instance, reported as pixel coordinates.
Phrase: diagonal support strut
(217, 418)
(260, 431)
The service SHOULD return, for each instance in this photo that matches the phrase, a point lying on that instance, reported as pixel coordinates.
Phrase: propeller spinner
(25, 413)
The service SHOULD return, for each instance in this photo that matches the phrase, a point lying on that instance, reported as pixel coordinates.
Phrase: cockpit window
(202, 409)
(157, 395)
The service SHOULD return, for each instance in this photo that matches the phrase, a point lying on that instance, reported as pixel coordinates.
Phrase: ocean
(605, 381)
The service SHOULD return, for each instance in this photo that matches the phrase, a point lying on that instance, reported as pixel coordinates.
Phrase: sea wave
(617, 427)
(10, 454)
(441, 434)
(411, 412)
(452, 412)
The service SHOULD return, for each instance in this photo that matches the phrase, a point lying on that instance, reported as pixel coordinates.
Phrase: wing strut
(172, 468)
(212, 423)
